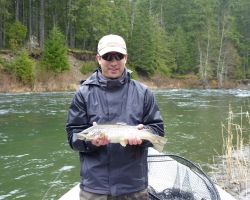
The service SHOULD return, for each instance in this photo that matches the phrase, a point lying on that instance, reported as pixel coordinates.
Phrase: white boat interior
(174, 173)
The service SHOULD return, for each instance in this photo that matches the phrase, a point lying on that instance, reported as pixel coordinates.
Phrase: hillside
(69, 81)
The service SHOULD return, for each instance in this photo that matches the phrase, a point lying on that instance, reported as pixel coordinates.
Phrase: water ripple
(9, 194)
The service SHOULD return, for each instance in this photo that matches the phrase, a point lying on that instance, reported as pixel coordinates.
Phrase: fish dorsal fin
(120, 123)
(115, 123)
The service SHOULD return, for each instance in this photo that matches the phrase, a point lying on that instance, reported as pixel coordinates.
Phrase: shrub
(22, 67)
(89, 66)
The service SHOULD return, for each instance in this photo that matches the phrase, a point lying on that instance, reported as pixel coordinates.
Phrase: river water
(37, 163)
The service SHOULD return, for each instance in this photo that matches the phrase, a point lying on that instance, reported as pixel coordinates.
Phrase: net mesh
(174, 177)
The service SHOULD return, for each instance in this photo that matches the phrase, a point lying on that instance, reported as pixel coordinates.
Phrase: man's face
(112, 64)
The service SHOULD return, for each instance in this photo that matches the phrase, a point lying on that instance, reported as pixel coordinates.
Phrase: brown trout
(117, 133)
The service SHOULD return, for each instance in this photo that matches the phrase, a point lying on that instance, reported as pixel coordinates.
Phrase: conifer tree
(181, 51)
(119, 20)
(165, 61)
(55, 52)
(142, 49)
(92, 22)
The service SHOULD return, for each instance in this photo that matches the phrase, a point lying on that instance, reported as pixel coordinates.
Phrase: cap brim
(112, 49)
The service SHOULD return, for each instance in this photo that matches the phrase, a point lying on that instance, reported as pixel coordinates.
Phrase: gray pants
(141, 195)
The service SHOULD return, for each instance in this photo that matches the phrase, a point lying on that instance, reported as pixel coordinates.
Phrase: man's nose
(113, 60)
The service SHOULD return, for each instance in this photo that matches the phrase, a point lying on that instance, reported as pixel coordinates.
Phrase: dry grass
(232, 170)
(46, 82)
(8, 83)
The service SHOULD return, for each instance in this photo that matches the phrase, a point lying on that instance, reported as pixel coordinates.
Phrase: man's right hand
(100, 141)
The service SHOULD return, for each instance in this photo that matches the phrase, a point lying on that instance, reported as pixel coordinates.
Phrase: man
(109, 95)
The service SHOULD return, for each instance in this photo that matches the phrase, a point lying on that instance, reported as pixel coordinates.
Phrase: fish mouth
(81, 136)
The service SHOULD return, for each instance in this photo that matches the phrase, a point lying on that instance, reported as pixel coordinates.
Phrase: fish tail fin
(159, 142)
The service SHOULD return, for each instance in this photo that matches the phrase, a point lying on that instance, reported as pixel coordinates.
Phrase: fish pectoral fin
(123, 143)
(101, 135)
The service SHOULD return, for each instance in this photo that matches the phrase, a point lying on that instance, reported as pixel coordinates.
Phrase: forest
(209, 39)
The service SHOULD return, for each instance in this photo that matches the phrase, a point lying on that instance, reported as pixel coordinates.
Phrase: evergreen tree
(203, 35)
(241, 14)
(175, 17)
(141, 46)
(4, 14)
(119, 20)
(181, 52)
(165, 61)
(92, 22)
(55, 52)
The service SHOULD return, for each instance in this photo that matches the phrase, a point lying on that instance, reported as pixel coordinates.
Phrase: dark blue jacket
(113, 169)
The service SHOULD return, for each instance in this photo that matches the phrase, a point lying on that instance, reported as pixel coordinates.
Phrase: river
(36, 161)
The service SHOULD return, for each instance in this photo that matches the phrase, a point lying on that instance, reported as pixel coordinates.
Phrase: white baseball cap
(110, 43)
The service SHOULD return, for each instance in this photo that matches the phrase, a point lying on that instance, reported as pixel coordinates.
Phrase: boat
(182, 177)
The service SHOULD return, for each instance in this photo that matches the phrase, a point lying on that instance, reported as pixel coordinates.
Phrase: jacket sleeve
(151, 116)
(76, 122)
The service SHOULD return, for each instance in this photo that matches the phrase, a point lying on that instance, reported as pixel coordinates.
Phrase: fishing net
(174, 177)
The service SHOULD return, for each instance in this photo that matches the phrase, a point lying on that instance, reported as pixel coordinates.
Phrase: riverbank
(69, 81)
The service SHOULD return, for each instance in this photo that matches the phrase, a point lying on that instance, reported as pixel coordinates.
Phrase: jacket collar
(98, 79)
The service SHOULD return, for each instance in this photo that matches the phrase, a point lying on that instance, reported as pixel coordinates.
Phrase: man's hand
(100, 141)
(133, 139)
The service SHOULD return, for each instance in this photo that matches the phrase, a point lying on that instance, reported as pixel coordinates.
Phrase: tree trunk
(132, 21)
(220, 64)
(84, 44)
(23, 11)
(17, 10)
(68, 22)
(71, 39)
(161, 20)
(42, 24)
(54, 15)
(4, 34)
(1, 26)
(30, 19)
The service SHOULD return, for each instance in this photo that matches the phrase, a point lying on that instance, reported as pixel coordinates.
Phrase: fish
(117, 133)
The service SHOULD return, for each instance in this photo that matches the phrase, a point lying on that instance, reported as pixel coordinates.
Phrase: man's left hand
(133, 139)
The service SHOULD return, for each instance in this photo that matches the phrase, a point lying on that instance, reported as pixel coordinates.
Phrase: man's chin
(114, 75)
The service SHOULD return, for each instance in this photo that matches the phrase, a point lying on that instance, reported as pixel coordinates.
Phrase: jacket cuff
(90, 147)
(146, 143)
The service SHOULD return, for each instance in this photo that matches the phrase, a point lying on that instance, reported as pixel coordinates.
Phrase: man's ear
(98, 58)
(126, 58)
